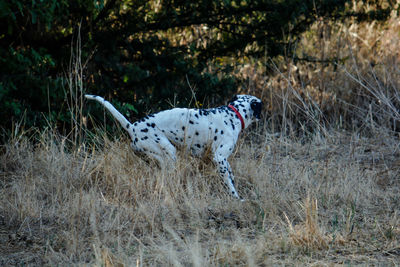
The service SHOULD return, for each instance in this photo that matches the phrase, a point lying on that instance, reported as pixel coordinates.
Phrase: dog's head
(249, 106)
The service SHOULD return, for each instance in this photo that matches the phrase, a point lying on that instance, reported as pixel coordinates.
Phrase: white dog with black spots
(157, 134)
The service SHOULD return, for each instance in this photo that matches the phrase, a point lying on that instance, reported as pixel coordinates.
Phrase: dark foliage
(140, 52)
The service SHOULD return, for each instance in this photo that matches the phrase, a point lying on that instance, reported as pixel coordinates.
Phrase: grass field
(331, 200)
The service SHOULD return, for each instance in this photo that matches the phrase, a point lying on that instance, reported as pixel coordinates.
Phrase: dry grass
(105, 206)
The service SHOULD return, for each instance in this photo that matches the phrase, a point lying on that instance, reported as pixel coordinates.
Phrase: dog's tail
(117, 115)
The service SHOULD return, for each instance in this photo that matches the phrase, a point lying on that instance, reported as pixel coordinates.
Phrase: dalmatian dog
(156, 135)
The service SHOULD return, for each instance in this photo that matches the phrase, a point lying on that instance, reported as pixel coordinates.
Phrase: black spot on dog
(203, 112)
(191, 122)
(233, 99)
(215, 138)
(196, 133)
(198, 145)
(145, 130)
(127, 125)
(183, 128)
(222, 132)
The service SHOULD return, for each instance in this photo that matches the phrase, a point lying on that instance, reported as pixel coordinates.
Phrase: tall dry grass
(341, 75)
(327, 201)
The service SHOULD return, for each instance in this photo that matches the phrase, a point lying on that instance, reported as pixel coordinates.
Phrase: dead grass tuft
(309, 234)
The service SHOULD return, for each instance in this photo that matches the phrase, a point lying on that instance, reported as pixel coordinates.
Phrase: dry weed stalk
(309, 233)
(108, 259)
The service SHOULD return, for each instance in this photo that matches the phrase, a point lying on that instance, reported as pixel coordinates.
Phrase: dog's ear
(256, 106)
(233, 99)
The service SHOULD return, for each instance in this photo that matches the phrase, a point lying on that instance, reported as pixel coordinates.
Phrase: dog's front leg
(226, 173)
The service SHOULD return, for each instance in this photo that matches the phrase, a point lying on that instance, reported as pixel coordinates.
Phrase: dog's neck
(244, 113)
(238, 115)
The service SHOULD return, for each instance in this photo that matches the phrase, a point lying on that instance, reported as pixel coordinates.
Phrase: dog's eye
(254, 105)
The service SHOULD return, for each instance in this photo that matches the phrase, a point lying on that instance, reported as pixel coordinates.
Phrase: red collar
(237, 114)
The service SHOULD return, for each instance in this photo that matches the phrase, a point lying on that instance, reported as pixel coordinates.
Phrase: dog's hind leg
(159, 149)
(168, 149)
